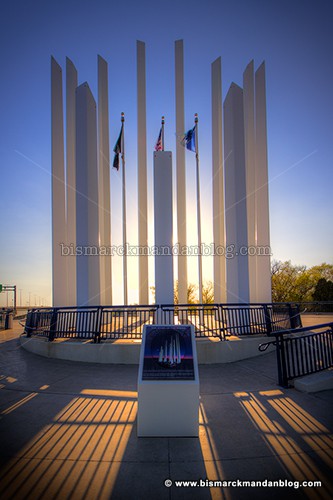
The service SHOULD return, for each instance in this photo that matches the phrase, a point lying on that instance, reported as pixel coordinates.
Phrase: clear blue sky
(294, 37)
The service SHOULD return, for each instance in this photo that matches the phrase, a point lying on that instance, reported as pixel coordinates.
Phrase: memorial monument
(81, 198)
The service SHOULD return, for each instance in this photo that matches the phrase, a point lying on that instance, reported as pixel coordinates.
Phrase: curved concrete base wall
(129, 352)
(231, 350)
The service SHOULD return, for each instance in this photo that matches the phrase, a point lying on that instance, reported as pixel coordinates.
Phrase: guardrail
(89, 323)
(298, 355)
(317, 307)
(126, 323)
(102, 323)
(223, 320)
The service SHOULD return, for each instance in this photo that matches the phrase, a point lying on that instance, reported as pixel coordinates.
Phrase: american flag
(159, 145)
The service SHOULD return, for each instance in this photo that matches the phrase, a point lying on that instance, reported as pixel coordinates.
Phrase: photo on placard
(168, 353)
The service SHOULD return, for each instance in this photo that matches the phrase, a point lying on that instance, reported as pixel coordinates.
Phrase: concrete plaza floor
(68, 430)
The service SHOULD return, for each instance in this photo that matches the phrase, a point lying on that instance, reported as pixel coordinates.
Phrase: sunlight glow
(305, 425)
(292, 456)
(19, 403)
(108, 393)
(11, 380)
(208, 449)
(81, 450)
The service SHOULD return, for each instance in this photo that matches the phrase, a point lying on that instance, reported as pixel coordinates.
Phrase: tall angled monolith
(218, 185)
(264, 287)
(235, 197)
(250, 174)
(59, 236)
(87, 227)
(71, 84)
(180, 171)
(142, 174)
(104, 183)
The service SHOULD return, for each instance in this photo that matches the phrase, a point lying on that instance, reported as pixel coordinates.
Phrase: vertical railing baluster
(281, 362)
(53, 325)
(267, 318)
(311, 356)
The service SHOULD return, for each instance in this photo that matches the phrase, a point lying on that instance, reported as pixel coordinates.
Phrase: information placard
(168, 382)
(168, 353)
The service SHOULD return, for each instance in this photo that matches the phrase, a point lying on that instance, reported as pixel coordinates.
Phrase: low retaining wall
(128, 352)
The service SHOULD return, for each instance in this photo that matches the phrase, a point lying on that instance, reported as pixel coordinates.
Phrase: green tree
(292, 283)
(323, 290)
(191, 293)
(323, 271)
(208, 292)
(284, 277)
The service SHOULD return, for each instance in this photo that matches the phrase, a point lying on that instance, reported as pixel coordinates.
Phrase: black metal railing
(100, 323)
(317, 307)
(223, 320)
(90, 323)
(254, 319)
(76, 323)
(38, 322)
(126, 323)
(206, 318)
(302, 352)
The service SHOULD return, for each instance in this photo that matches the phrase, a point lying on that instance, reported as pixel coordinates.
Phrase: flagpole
(124, 211)
(162, 136)
(198, 207)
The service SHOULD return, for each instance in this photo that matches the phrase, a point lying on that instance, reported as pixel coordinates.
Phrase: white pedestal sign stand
(168, 383)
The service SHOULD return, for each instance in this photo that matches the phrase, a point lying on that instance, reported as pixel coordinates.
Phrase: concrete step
(321, 381)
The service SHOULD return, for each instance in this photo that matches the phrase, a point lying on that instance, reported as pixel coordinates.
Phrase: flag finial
(162, 120)
(122, 117)
(196, 119)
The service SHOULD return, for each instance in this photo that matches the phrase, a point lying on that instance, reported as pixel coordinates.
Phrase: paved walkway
(68, 430)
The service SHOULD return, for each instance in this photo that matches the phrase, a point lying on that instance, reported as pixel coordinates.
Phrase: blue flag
(188, 141)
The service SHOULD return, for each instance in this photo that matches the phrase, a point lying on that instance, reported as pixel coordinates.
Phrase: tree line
(290, 283)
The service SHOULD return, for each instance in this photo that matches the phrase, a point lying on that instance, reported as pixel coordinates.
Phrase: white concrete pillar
(180, 170)
(264, 287)
(163, 212)
(142, 172)
(235, 196)
(250, 167)
(71, 84)
(59, 262)
(218, 183)
(104, 182)
(87, 228)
